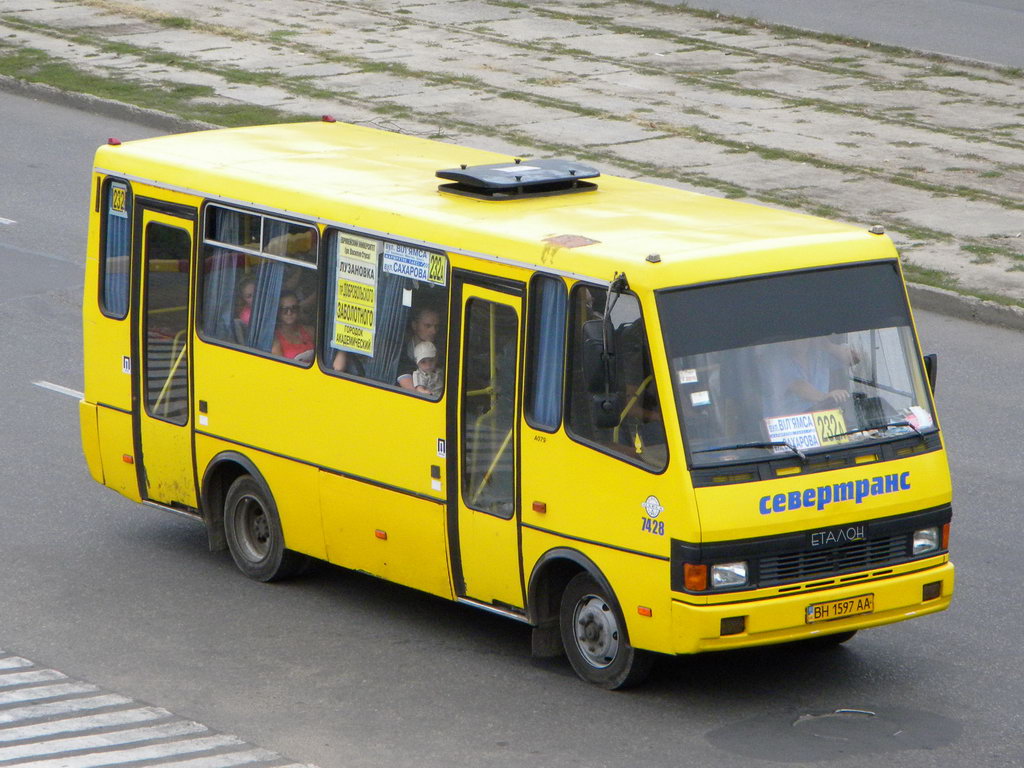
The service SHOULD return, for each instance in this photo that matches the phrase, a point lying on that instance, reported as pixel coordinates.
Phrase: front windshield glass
(794, 364)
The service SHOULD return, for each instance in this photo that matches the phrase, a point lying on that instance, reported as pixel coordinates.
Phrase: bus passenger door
(163, 454)
(484, 491)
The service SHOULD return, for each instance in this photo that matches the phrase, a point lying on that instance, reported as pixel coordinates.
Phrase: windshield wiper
(764, 444)
(880, 427)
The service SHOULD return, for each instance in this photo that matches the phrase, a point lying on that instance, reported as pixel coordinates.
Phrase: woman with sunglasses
(292, 339)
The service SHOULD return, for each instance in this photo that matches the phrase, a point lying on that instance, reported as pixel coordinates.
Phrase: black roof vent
(519, 179)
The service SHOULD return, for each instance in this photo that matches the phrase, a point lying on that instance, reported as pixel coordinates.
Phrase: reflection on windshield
(787, 391)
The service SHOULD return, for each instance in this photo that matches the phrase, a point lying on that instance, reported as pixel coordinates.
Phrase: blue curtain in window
(391, 328)
(267, 297)
(221, 275)
(549, 346)
(269, 277)
(219, 292)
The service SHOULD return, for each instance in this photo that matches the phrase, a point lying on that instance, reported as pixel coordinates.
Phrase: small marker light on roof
(114, 142)
(328, 119)
(654, 258)
(878, 229)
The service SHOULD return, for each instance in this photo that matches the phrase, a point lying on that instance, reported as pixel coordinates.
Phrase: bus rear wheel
(253, 532)
(594, 639)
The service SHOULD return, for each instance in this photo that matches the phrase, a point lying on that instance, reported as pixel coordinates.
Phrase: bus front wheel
(593, 637)
(253, 532)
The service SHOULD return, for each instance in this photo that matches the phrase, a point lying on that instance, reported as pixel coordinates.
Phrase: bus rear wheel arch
(253, 532)
(594, 636)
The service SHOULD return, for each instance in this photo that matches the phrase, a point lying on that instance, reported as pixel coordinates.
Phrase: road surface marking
(59, 389)
(4, 221)
(85, 727)
(112, 739)
(121, 717)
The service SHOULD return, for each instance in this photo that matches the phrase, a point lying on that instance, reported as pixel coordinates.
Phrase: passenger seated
(243, 299)
(427, 378)
(292, 339)
(424, 326)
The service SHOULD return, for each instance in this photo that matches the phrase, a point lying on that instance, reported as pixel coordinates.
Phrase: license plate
(840, 609)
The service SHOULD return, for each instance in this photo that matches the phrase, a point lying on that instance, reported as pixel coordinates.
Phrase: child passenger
(426, 379)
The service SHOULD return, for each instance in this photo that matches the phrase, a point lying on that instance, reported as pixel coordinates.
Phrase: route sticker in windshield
(807, 430)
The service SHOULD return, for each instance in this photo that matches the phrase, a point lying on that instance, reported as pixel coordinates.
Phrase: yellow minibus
(641, 420)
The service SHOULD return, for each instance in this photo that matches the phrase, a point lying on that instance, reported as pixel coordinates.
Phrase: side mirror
(931, 367)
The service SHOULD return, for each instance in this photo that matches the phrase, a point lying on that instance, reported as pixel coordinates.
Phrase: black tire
(594, 637)
(253, 532)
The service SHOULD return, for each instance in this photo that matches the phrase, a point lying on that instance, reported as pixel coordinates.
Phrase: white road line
(45, 692)
(7, 221)
(230, 759)
(34, 711)
(97, 741)
(15, 662)
(83, 723)
(59, 389)
(105, 730)
(32, 676)
(150, 752)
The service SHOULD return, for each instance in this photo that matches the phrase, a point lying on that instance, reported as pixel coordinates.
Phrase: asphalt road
(985, 30)
(341, 670)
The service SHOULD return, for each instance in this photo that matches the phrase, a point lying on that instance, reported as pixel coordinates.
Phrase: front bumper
(781, 619)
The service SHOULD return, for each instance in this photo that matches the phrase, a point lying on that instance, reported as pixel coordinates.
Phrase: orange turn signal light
(695, 577)
(643, 610)
(382, 535)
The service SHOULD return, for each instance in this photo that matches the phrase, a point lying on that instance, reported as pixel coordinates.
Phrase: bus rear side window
(115, 254)
(259, 283)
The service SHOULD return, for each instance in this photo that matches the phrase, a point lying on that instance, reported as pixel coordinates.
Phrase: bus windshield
(793, 364)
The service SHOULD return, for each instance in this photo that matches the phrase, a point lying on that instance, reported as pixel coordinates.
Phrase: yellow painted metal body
(356, 470)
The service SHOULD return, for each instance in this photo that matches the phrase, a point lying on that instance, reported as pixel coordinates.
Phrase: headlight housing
(926, 540)
(728, 575)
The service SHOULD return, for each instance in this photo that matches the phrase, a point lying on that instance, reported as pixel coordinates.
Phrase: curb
(931, 299)
(922, 297)
(151, 118)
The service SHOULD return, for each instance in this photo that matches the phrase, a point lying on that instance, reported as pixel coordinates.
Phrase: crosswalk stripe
(50, 709)
(85, 727)
(32, 676)
(45, 692)
(83, 723)
(139, 753)
(96, 741)
(230, 759)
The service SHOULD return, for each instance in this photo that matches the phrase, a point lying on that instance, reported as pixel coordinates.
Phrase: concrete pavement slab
(933, 148)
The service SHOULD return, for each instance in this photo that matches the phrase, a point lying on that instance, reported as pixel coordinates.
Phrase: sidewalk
(931, 149)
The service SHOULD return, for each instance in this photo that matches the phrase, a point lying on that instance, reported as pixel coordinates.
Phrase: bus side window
(115, 250)
(638, 432)
(546, 352)
(385, 300)
(252, 265)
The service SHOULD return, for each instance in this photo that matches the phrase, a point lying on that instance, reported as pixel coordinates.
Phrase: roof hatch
(519, 179)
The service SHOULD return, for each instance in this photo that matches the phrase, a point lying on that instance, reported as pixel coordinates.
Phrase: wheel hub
(597, 631)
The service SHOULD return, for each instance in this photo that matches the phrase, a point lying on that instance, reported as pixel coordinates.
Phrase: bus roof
(385, 182)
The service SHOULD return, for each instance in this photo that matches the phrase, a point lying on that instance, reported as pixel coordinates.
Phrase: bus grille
(807, 565)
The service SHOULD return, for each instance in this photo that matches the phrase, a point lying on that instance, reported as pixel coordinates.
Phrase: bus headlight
(725, 575)
(925, 540)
